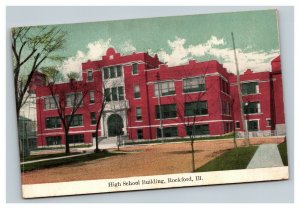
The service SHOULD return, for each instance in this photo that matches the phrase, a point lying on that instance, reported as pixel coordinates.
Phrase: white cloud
(180, 54)
(127, 47)
(95, 51)
(214, 47)
(214, 41)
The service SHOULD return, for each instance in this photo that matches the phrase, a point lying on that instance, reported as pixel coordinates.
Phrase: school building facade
(146, 99)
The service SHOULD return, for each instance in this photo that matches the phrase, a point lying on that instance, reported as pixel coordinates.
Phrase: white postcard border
(154, 182)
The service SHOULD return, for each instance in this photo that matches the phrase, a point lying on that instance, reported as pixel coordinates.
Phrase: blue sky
(180, 38)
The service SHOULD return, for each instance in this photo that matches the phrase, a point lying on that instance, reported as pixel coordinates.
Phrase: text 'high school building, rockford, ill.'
(144, 95)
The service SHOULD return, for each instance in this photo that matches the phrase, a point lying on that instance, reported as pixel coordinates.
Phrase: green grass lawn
(45, 156)
(227, 136)
(283, 152)
(229, 161)
(66, 161)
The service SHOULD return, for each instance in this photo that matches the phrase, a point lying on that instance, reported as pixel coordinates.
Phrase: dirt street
(145, 160)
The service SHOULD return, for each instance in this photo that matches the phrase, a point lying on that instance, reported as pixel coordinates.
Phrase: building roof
(277, 59)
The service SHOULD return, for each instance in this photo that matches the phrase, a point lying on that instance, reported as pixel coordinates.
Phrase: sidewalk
(101, 146)
(86, 150)
(54, 158)
(267, 155)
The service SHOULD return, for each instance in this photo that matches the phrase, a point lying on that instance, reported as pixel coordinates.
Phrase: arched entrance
(115, 125)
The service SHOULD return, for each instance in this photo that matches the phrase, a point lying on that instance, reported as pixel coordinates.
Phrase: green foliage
(48, 37)
(73, 75)
(31, 48)
(238, 158)
(52, 74)
(33, 45)
(57, 58)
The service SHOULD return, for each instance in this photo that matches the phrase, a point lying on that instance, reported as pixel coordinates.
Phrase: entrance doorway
(115, 125)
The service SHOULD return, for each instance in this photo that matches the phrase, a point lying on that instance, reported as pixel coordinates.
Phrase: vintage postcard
(149, 103)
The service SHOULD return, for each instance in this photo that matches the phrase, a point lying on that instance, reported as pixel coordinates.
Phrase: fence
(269, 133)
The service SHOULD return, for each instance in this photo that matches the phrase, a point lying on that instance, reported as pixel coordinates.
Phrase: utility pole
(159, 107)
(247, 141)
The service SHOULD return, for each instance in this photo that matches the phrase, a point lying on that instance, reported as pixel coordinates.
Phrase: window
(237, 125)
(197, 130)
(134, 68)
(77, 120)
(167, 111)
(112, 72)
(166, 88)
(251, 107)
(140, 134)
(53, 122)
(224, 86)
(53, 140)
(167, 132)
(119, 71)
(90, 75)
(114, 94)
(92, 97)
(226, 108)
(194, 84)
(196, 108)
(106, 73)
(49, 103)
(269, 122)
(74, 99)
(93, 118)
(250, 88)
(137, 91)
(78, 138)
(138, 112)
(227, 127)
(107, 95)
(252, 125)
(121, 93)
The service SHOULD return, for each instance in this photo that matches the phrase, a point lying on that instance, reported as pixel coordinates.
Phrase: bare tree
(159, 107)
(98, 119)
(190, 121)
(105, 98)
(68, 98)
(197, 106)
(103, 102)
(32, 46)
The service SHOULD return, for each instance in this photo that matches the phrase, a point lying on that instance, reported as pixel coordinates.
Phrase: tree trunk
(21, 148)
(193, 154)
(118, 142)
(97, 139)
(235, 144)
(67, 142)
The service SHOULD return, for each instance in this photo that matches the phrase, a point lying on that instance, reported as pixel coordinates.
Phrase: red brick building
(144, 95)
